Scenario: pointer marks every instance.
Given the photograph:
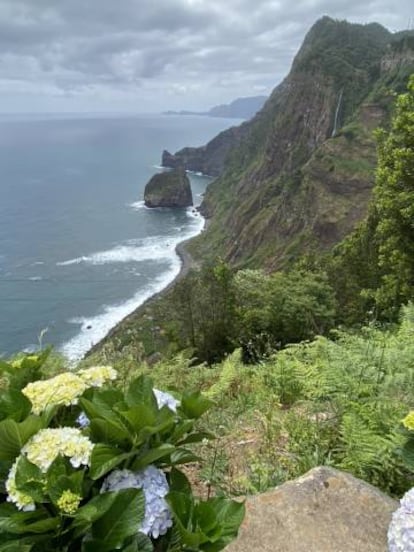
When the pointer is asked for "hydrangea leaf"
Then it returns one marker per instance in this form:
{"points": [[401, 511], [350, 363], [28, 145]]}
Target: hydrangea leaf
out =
{"points": [[14, 435], [152, 456], [122, 519], [194, 405], [104, 458], [140, 391]]}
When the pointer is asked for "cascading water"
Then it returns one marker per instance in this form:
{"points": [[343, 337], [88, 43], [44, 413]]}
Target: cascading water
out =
{"points": [[338, 107]]}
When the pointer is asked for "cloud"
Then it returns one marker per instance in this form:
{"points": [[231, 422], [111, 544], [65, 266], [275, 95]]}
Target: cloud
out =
{"points": [[158, 54]]}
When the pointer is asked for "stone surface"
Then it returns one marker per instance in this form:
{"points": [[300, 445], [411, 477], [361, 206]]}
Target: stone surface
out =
{"points": [[169, 189], [323, 511]]}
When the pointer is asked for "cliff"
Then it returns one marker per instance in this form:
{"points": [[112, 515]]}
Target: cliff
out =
{"points": [[298, 176], [169, 189], [209, 159]]}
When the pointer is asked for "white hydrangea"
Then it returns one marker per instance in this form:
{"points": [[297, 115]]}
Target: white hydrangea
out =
{"points": [[401, 529], [97, 376], [47, 444], [65, 389], [21, 500], [165, 399], [153, 482]]}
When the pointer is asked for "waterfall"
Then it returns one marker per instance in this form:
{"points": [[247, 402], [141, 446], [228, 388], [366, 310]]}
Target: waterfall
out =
{"points": [[338, 107]]}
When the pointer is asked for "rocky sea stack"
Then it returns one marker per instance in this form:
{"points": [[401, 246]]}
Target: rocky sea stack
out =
{"points": [[169, 189]]}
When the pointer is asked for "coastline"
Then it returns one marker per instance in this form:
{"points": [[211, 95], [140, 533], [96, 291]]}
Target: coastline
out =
{"points": [[186, 262]]}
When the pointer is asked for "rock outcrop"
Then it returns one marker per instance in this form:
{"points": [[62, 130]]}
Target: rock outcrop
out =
{"points": [[323, 511], [208, 159], [169, 189]]}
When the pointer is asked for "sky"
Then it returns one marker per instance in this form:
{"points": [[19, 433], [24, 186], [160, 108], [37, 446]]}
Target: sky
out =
{"points": [[153, 55]]}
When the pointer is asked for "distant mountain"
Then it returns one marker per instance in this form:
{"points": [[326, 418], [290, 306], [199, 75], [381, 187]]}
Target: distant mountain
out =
{"points": [[241, 108]]}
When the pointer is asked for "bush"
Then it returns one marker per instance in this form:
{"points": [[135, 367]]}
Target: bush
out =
{"points": [[87, 466]]}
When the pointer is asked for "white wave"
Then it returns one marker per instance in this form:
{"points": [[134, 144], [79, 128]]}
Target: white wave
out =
{"points": [[161, 167], [37, 263], [138, 205], [154, 248], [35, 278], [95, 328]]}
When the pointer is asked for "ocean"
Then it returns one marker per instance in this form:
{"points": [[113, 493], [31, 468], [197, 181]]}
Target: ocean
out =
{"points": [[78, 249]]}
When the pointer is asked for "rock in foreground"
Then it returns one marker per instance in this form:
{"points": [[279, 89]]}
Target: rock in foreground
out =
{"points": [[323, 511], [169, 189]]}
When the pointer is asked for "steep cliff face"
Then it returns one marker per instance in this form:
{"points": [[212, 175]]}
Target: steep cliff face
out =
{"points": [[300, 177]]}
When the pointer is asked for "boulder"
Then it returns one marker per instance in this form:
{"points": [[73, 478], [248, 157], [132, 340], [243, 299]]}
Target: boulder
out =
{"points": [[169, 189], [325, 510]]}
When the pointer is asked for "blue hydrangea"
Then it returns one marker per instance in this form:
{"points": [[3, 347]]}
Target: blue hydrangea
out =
{"points": [[165, 399], [153, 482], [401, 529], [82, 420]]}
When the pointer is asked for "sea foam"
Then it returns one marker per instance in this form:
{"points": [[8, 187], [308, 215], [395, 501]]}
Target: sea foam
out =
{"points": [[94, 328]]}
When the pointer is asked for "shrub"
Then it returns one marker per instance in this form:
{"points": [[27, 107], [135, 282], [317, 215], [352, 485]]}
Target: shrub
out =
{"points": [[86, 466]]}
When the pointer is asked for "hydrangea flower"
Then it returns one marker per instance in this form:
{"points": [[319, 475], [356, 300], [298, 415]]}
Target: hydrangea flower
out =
{"points": [[64, 389], [82, 420], [401, 529], [21, 500], [408, 421], [47, 444], [165, 399], [97, 376], [152, 481], [68, 502]]}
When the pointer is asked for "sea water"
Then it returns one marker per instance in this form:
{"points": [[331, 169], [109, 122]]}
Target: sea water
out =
{"points": [[79, 251]]}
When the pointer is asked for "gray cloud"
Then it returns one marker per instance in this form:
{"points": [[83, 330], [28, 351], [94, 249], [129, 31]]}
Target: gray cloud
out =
{"points": [[160, 53]]}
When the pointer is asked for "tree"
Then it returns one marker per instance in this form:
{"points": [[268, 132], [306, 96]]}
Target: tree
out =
{"points": [[394, 202]]}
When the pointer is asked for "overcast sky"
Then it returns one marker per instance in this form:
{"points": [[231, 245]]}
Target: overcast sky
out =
{"points": [[152, 55]]}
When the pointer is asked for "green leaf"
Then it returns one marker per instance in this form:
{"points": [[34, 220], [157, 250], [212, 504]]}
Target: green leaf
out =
{"points": [[140, 543], [183, 456], [408, 453], [182, 429], [94, 509], [194, 405], [230, 513], [122, 519], [182, 507], [139, 417], [30, 479], [140, 393], [152, 455], [179, 482], [107, 431], [13, 436], [104, 458], [197, 437], [13, 404]]}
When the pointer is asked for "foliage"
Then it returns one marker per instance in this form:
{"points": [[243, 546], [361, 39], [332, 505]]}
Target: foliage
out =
{"points": [[96, 468], [281, 308], [373, 268], [335, 401], [394, 199]]}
